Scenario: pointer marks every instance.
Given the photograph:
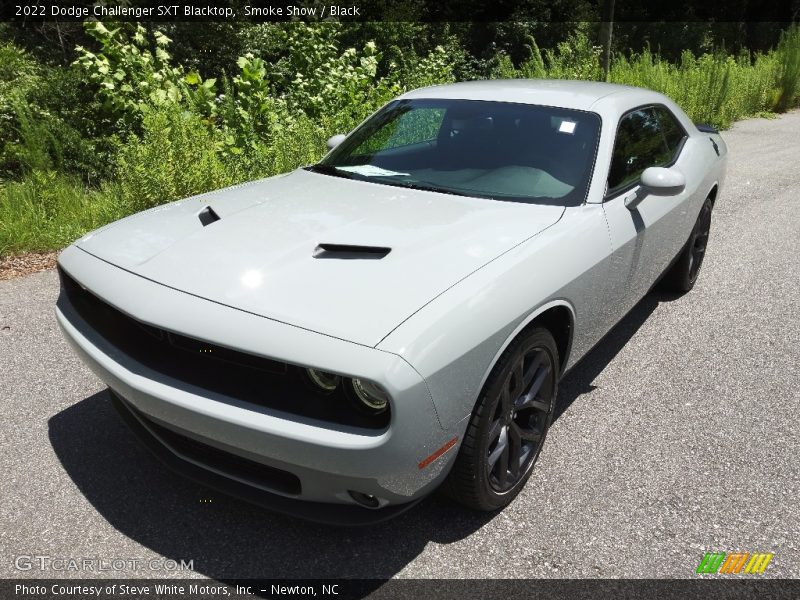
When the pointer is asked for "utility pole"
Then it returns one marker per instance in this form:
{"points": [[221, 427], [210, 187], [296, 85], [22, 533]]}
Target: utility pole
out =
{"points": [[606, 30]]}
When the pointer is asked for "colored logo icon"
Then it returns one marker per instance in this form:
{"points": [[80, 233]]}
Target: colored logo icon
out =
{"points": [[734, 563]]}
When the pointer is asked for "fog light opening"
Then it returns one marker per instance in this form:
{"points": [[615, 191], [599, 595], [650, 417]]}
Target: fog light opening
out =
{"points": [[367, 500]]}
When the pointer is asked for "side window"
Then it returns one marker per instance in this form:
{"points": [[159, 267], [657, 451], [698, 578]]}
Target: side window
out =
{"points": [[673, 132], [640, 144]]}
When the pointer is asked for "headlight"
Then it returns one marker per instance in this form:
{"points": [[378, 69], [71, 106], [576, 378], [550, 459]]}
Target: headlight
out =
{"points": [[368, 396], [327, 382]]}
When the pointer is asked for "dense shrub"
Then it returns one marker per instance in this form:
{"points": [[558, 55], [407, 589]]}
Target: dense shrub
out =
{"points": [[787, 58], [129, 71], [176, 156], [19, 74], [576, 58], [49, 119]]}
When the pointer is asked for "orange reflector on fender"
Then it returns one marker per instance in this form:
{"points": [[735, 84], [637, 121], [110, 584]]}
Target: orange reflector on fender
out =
{"points": [[438, 453]]}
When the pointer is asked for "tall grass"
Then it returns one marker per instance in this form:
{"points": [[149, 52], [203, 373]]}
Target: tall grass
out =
{"points": [[788, 58], [48, 210], [714, 88], [300, 141], [179, 155], [176, 156], [717, 88]]}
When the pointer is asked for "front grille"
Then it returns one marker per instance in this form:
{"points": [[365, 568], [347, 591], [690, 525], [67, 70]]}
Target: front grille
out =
{"points": [[224, 462], [215, 368]]}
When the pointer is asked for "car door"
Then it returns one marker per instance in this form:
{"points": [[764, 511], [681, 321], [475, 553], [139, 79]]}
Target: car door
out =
{"points": [[646, 231]]}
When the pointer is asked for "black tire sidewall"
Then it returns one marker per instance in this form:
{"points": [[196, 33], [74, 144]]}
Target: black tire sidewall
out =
{"points": [[678, 278], [706, 208], [537, 337]]}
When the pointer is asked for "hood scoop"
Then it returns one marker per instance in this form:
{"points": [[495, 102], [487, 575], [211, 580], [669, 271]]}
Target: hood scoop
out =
{"points": [[207, 216], [350, 252]]}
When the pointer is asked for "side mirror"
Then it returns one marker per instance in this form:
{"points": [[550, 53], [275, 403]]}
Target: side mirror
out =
{"points": [[659, 181], [335, 141]]}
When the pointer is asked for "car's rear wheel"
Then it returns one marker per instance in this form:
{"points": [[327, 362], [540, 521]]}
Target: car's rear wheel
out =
{"points": [[682, 276], [509, 424]]}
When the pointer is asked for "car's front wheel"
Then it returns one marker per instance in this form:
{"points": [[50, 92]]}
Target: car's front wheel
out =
{"points": [[509, 424]]}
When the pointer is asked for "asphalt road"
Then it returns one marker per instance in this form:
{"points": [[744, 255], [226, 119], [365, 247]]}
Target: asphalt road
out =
{"points": [[678, 435]]}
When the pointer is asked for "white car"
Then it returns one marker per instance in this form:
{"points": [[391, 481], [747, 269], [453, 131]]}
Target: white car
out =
{"points": [[339, 341]]}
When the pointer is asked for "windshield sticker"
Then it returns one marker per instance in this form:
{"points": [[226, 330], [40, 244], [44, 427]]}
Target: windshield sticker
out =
{"points": [[567, 127]]}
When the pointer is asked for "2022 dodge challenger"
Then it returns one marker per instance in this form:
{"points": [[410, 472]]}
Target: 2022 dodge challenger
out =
{"points": [[339, 341]]}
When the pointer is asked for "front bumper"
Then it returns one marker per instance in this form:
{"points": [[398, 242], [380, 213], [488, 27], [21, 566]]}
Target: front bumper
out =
{"points": [[320, 512], [327, 461]]}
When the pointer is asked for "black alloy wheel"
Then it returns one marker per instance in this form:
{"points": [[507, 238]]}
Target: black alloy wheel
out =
{"points": [[683, 273], [520, 417], [699, 242], [509, 424]]}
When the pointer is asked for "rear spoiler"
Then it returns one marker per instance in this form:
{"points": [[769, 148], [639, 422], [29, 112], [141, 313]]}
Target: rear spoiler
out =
{"points": [[705, 128]]}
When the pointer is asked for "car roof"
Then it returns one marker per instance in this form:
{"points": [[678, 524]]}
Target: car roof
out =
{"points": [[581, 95]]}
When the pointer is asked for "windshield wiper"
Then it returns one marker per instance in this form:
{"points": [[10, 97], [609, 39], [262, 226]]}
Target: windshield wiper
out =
{"points": [[413, 185], [328, 170]]}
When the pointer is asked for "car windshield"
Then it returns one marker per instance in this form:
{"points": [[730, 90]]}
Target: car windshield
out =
{"points": [[496, 150]]}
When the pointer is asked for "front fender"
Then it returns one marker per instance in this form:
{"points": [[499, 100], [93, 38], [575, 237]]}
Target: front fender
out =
{"points": [[454, 341]]}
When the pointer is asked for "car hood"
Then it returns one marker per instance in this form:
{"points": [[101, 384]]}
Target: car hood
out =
{"points": [[259, 255]]}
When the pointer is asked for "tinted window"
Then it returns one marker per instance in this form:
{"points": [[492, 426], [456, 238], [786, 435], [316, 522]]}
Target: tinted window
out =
{"points": [[673, 132], [497, 150], [412, 127]]}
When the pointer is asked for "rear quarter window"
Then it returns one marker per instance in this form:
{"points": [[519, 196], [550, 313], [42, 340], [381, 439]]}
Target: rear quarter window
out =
{"points": [[674, 135]]}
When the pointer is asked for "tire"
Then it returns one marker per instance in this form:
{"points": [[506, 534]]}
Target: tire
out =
{"points": [[682, 275], [509, 423]]}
